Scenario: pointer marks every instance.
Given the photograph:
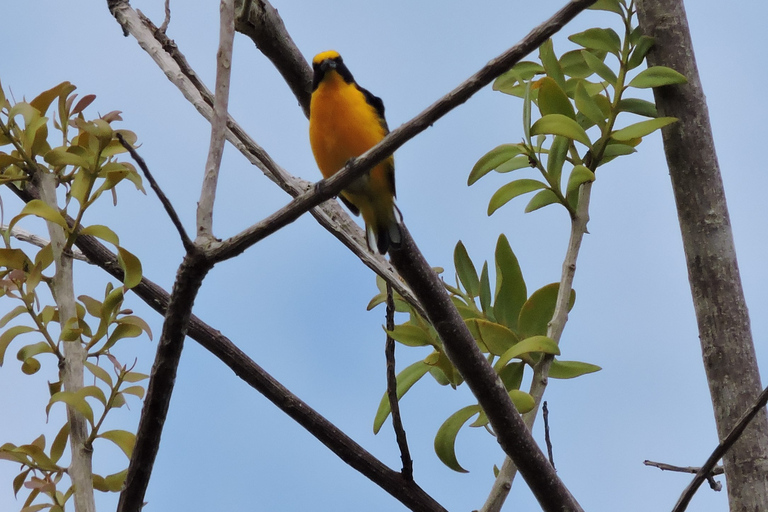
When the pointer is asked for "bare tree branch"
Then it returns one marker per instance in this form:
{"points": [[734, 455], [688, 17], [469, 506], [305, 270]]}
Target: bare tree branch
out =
{"points": [[394, 404], [727, 348], [717, 470], [38, 241], [188, 245], [726, 444], [80, 469], [218, 121]]}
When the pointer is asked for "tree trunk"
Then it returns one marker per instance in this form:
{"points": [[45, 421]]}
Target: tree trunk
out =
{"points": [[713, 272]]}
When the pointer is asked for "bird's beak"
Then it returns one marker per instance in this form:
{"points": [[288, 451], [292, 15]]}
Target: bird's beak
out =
{"points": [[327, 65]]}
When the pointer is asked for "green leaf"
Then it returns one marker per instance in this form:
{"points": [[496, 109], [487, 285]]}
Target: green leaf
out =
{"points": [[511, 291], [122, 438], [493, 159], [18, 310], [411, 335], [657, 76], [32, 350], [514, 164], [574, 66], [604, 39], [466, 270], [135, 377], [599, 67], [73, 400], [511, 190], [644, 45], [45, 98], [558, 124], [512, 375], [552, 99], [606, 5], [102, 232], [405, 380], [541, 199], [445, 439], [579, 175], [642, 128], [60, 443], [570, 369], [496, 337], [38, 208], [114, 483], [588, 106], [556, 158], [100, 373], [638, 106], [510, 81], [131, 266], [485, 292], [522, 400], [135, 391], [615, 150], [527, 113], [527, 346], [8, 335], [550, 62], [538, 310], [15, 259], [63, 155]]}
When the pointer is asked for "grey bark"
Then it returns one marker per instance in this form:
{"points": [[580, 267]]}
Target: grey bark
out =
{"points": [[713, 272]]}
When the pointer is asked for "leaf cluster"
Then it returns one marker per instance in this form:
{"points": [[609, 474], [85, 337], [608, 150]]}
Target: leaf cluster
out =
{"points": [[83, 163], [579, 98], [509, 326]]}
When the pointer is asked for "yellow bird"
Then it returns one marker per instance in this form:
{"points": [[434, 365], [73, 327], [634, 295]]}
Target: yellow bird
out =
{"points": [[345, 121]]}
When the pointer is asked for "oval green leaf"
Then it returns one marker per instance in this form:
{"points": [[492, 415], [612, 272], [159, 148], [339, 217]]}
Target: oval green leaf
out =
{"points": [[599, 67], [496, 337], [528, 345], [511, 190], [466, 270], [538, 310], [405, 380], [657, 76], [553, 100], [580, 174], [570, 369], [493, 159], [642, 128], [541, 199], [558, 124]]}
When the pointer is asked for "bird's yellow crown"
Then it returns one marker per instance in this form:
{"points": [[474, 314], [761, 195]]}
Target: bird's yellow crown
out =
{"points": [[330, 54]]}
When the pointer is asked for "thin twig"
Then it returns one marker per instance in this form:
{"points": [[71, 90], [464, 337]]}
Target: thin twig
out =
{"points": [[167, 20], [713, 484], [545, 417], [188, 245], [721, 449], [394, 405], [218, 121], [38, 241]]}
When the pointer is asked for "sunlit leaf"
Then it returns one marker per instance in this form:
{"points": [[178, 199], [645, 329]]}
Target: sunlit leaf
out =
{"points": [[550, 62], [122, 438], [579, 175], [511, 291], [102, 232], [522, 400], [558, 124], [8, 336], [642, 128], [588, 106], [570, 369], [643, 46], [511, 190], [496, 337], [466, 270], [604, 39], [657, 76], [638, 106], [599, 67], [541, 199], [131, 267], [405, 380], [552, 99], [493, 159], [445, 439], [411, 335], [538, 310], [527, 346]]}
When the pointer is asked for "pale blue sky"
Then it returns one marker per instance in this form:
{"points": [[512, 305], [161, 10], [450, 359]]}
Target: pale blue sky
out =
{"points": [[296, 302]]}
